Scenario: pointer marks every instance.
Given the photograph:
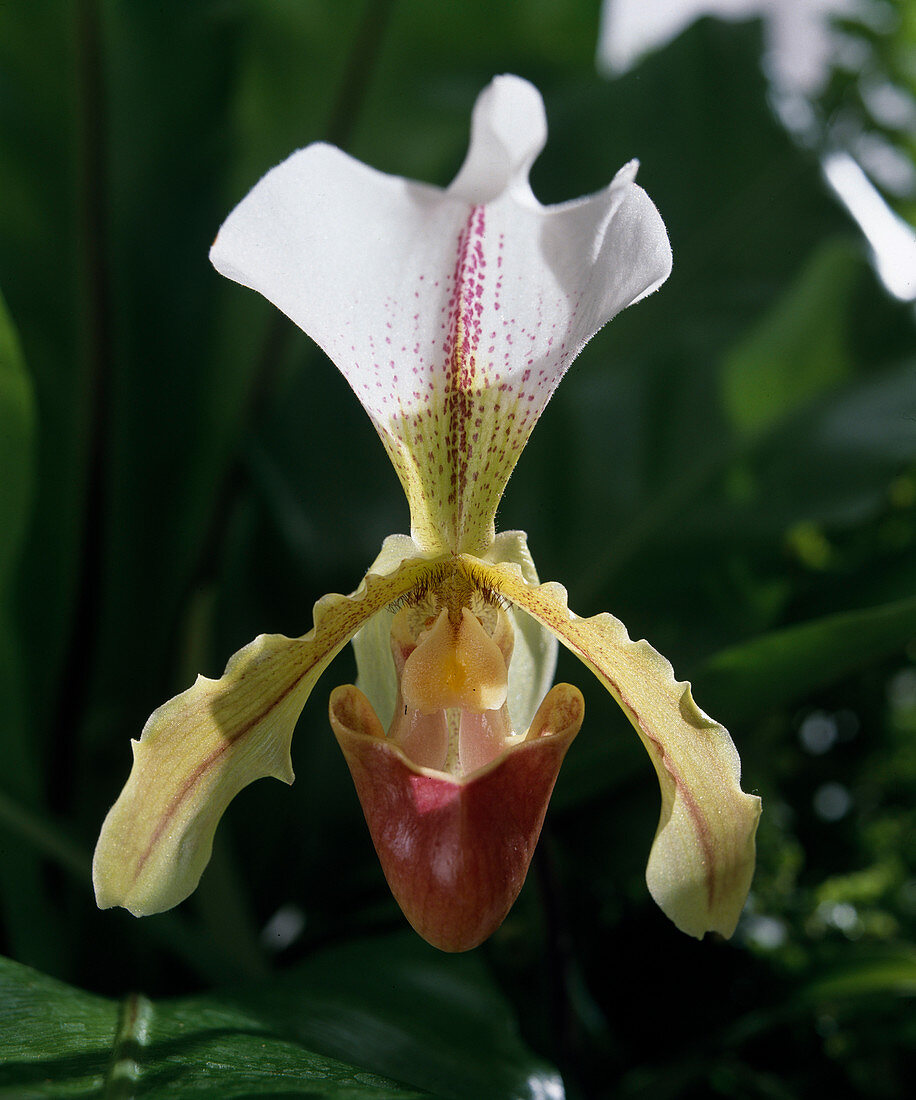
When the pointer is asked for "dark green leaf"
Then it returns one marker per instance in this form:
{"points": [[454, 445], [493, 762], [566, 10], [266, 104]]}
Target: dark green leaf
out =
{"points": [[405, 1010], [339, 1026], [785, 665], [17, 444], [23, 903], [873, 972], [799, 350], [57, 1041]]}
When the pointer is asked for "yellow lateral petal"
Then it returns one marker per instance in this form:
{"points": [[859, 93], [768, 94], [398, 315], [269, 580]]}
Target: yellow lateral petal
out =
{"points": [[198, 750], [702, 858]]}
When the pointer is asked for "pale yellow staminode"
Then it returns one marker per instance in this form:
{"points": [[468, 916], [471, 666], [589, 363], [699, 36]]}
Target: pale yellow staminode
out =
{"points": [[455, 665]]}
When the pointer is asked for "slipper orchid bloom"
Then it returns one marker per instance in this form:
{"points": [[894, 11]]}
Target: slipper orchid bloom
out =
{"points": [[453, 314]]}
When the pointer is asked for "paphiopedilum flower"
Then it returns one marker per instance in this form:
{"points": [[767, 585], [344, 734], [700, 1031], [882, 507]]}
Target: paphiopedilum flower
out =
{"points": [[453, 314]]}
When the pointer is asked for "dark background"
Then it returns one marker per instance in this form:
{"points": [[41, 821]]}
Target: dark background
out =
{"points": [[730, 467]]}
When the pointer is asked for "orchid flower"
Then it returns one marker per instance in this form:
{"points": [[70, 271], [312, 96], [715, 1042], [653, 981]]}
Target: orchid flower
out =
{"points": [[453, 314]]}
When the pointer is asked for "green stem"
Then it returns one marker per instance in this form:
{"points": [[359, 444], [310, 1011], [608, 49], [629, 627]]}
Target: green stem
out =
{"points": [[222, 904], [360, 66], [76, 678], [122, 1082], [341, 123], [221, 891]]}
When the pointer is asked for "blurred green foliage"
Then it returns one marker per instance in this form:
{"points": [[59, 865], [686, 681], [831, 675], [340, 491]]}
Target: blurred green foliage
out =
{"points": [[730, 467]]}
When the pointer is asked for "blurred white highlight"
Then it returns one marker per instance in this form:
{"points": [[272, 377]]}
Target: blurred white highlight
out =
{"points": [[892, 241], [800, 46], [799, 39]]}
